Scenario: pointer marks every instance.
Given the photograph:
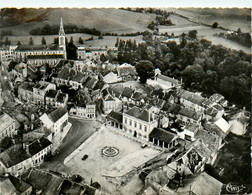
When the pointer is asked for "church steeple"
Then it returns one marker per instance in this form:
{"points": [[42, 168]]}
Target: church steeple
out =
{"points": [[62, 38], [61, 31]]}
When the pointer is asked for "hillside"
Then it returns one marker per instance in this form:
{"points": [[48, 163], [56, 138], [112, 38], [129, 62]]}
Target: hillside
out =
{"points": [[105, 20], [232, 18]]}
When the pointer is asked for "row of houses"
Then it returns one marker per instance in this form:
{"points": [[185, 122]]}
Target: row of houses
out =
{"points": [[42, 93], [52, 183], [36, 144]]}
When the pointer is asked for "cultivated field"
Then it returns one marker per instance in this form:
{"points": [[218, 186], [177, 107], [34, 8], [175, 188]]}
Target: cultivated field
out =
{"points": [[228, 18], [106, 20], [130, 156], [108, 41]]}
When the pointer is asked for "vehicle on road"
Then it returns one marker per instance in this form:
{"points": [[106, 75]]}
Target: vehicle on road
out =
{"points": [[143, 145], [84, 157]]}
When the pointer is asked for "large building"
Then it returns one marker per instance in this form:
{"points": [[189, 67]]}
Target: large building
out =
{"points": [[42, 54], [139, 122]]}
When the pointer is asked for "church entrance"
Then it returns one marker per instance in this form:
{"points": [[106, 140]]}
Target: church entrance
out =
{"points": [[135, 134]]}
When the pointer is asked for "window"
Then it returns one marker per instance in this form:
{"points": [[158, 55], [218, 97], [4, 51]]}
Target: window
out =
{"points": [[130, 123], [145, 128], [135, 125], [140, 126]]}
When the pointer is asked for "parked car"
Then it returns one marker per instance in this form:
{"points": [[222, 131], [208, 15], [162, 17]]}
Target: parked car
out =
{"points": [[143, 145], [84, 157]]}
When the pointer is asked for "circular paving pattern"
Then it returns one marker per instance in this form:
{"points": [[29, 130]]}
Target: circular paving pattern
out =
{"points": [[110, 151]]}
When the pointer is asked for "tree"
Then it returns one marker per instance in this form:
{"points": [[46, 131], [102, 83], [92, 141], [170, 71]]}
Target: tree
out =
{"points": [[56, 40], [19, 43], [71, 40], [145, 70], [193, 34], [183, 41], [215, 25], [43, 41], [117, 42], [7, 41], [71, 50], [100, 37], [80, 40], [193, 74], [31, 41]]}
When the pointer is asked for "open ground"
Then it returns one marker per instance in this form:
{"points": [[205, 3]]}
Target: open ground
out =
{"points": [[96, 166]]}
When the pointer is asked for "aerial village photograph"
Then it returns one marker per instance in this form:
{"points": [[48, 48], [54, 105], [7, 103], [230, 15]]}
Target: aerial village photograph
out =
{"points": [[125, 101]]}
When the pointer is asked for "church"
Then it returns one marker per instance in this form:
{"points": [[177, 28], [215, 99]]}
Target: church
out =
{"points": [[38, 55]]}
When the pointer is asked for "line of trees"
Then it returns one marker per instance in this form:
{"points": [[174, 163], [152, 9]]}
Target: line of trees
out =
{"points": [[69, 29]]}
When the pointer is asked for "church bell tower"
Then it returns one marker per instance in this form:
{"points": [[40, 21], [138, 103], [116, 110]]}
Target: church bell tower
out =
{"points": [[62, 39]]}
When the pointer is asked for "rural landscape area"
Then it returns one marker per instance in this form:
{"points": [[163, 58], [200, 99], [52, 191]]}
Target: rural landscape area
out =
{"points": [[130, 100]]}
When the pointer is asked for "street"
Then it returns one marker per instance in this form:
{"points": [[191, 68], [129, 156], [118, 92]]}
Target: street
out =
{"points": [[81, 130], [5, 83]]}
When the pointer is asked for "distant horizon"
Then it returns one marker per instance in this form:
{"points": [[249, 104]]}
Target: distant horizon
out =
{"points": [[118, 4]]}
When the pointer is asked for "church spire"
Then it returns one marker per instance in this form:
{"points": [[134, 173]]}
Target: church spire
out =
{"points": [[61, 31]]}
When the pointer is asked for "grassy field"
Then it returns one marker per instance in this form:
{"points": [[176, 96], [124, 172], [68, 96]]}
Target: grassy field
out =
{"points": [[228, 18], [105, 20], [108, 41]]}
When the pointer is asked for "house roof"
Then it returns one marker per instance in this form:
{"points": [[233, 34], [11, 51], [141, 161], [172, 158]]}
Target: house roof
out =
{"points": [[168, 79], [38, 179], [116, 116], [64, 73], [38, 145], [99, 85], [124, 71], [111, 77], [5, 121], [190, 96], [13, 155], [6, 186], [139, 113], [46, 120], [19, 184], [37, 47], [223, 125], [192, 127], [162, 135], [138, 96], [213, 128], [216, 97], [189, 113], [61, 97], [57, 114], [127, 92], [49, 56], [201, 183], [51, 93]]}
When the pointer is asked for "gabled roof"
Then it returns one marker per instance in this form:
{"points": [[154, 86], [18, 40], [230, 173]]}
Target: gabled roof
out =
{"points": [[162, 135], [127, 92], [168, 79], [124, 71], [51, 93], [38, 145], [13, 155], [57, 114], [115, 116], [223, 125], [19, 184], [190, 96], [37, 47], [5, 121], [49, 56], [141, 114], [61, 97], [189, 113]]}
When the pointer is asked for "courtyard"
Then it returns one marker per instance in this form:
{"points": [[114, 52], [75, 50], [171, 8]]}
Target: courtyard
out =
{"points": [[127, 156]]}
